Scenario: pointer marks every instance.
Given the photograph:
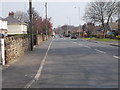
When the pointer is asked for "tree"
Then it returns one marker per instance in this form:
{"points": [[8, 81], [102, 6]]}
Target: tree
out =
{"points": [[65, 27], [101, 12], [49, 25], [38, 25], [21, 16], [84, 27], [90, 28], [37, 21]]}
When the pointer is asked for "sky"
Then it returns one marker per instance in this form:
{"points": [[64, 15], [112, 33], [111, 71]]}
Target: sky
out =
{"points": [[60, 12]]}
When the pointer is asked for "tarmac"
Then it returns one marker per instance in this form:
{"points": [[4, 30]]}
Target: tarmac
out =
{"points": [[19, 72]]}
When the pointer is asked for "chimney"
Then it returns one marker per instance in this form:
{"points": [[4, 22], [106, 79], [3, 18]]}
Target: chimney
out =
{"points": [[11, 14]]}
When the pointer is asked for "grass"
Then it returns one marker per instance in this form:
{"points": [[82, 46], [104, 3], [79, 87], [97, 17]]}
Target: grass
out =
{"points": [[104, 39]]}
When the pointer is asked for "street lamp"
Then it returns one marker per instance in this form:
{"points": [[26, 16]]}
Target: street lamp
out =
{"points": [[79, 18], [68, 26], [46, 20]]}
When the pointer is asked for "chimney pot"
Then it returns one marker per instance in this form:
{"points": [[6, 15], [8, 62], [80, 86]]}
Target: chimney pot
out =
{"points": [[11, 14]]}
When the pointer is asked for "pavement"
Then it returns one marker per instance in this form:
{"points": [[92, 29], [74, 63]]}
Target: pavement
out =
{"points": [[19, 72], [65, 63]]}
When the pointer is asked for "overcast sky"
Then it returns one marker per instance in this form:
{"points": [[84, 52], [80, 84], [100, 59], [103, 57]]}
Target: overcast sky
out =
{"points": [[60, 12]]}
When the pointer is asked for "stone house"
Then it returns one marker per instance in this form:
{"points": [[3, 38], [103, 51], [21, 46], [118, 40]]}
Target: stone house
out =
{"points": [[15, 26], [3, 26]]}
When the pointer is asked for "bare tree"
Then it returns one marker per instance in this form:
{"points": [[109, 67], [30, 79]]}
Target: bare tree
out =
{"points": [[101, 12], [90, 28], [21, 16]]}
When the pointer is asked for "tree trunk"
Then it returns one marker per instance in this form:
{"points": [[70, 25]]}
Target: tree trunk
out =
{"points": [[103, 24]]}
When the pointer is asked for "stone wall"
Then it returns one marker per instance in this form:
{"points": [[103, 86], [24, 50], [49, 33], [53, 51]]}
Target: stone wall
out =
{"points": [[15, 46], [39, 39]]}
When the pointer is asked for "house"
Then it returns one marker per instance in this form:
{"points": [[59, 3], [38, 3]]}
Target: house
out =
{"points": [[113, 26], [3, 26], [15, 26], [98, 29]]}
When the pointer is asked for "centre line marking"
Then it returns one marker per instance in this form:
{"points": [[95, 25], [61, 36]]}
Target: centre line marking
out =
{"points": [[100, 51], [80, 44], [87, 46], [40, 69]]}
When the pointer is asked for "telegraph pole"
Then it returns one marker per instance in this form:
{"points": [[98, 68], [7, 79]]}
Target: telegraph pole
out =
{"points": [[79, 19], [30, 25], [46, 19]]}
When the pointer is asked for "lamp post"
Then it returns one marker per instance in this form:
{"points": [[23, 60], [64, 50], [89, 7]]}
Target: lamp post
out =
{"points": [[46, 20], [69, 23], [79, 18]]}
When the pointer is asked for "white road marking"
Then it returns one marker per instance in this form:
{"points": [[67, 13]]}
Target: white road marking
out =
{"points": [[100, 51], [82, 45], [75, 42], [87, 46], [97, 50], [116, 57], [40, 69]]}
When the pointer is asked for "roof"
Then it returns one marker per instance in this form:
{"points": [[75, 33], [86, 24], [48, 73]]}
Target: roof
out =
{"points": [[12, 20], [2, 19]]}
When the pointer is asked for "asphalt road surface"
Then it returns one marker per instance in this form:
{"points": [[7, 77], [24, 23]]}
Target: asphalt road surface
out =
{"points": [[79, 64], [66, 64]]}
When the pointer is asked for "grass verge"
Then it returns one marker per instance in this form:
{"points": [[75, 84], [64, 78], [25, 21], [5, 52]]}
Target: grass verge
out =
{"points": [[104, 39]]}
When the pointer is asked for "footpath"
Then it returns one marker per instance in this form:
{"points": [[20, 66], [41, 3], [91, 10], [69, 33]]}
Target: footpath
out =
{"points": [[23, 70]]}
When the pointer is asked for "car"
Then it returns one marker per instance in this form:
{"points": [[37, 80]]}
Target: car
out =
{"points": [[73, 37], [67, 35], [61, 36]]}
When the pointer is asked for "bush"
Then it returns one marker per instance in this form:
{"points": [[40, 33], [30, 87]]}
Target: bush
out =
{"points": [[117, 37], [93, 35], [110, 36], [97, 36]]}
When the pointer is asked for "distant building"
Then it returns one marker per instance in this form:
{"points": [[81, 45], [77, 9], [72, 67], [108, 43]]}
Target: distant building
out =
{"points": [[3, 26], [113, 26], [15, 26]]}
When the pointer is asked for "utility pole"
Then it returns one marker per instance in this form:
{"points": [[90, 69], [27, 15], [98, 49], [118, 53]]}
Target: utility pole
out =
{"points": [[46, 20], [68, 26], [30, 25], [79, 19]]}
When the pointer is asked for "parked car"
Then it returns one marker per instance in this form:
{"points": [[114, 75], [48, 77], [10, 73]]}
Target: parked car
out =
{"points": [[73, 37], [67, 35], [61, 36]]}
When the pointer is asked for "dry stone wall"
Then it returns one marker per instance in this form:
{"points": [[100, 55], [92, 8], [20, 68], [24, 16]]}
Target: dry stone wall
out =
{"points": [[15, 47]]}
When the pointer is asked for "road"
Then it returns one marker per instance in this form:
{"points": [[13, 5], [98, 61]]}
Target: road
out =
{"points": [[72, 64], [79, 64]]}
